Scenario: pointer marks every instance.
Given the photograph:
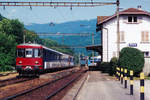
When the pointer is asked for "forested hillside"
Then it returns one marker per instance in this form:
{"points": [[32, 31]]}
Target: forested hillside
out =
{"points": [[11, 34]]}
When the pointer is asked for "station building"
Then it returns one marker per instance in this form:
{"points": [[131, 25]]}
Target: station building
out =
{"points": [[134, 32]]}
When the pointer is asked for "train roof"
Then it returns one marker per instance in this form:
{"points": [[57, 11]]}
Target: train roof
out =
{"points": [[31, 45]]}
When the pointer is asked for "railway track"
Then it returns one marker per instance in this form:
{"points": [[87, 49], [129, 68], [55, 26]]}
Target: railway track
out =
{"points": [[15, 80], [12, 81], [47, 90]]}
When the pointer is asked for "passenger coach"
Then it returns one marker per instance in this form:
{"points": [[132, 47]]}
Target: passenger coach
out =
{"points": [[34, 58]]}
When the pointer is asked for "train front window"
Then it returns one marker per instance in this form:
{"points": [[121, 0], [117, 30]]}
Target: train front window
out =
{"points": [[20, 52], [29, 52], [37, 53]]}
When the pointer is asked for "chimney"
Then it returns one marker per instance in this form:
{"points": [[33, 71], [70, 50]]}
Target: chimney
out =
{"points": [[139, 7]]}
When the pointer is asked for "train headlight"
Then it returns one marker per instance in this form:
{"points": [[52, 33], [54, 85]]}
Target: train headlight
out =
{"points": [[20, 62], [36, 62]]}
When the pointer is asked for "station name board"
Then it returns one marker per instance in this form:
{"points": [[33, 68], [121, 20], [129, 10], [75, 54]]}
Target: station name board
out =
{"points": [[132, 44]]}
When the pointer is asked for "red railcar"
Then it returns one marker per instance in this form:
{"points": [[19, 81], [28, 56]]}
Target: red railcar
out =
{"points": [[34, 58]]}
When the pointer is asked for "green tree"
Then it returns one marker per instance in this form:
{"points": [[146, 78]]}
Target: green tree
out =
{"points": [[132, 59], [1, 17], [5, 26], [17, 30], [7, 51], [13, 27]]}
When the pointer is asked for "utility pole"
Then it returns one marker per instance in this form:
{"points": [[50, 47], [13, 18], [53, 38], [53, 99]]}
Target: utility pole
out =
{"points": [[62, 39], [24, 37], [118, 31], [93, 44], [79, 59]]}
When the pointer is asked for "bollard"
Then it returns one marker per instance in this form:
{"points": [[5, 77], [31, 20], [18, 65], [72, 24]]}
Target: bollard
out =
{"points": [[125, 78], [131, 82], [116, 73], [121, 75], [141, 86]]}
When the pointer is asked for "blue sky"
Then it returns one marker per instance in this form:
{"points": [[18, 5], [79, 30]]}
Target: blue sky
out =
{"points": [[59, 15]]}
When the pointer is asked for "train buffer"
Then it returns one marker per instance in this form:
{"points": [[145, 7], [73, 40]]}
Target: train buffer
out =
{"points": [[100, 86]]}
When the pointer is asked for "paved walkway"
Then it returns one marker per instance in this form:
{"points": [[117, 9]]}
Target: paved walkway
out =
{"points": [[103, 87]]}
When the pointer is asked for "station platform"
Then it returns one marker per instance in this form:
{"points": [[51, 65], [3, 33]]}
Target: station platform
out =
{"points": [[103, 87], [100, 86]]}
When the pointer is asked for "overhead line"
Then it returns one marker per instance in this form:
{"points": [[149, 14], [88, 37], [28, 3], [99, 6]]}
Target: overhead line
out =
{"points": [[57, 4], [64, 34], [69, 47]]}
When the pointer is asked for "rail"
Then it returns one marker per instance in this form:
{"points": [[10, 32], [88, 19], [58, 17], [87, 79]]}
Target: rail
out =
{"points": [[13, 81], [53, 93]]}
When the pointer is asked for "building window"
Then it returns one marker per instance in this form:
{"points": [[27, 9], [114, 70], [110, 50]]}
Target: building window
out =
{"points": [[144, 36], [132, 19], [122, 37], [146, 54], [135, 19], [129, 19]]}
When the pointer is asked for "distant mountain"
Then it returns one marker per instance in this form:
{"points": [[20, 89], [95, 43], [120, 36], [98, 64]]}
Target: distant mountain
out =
{"points": [[84, 26]]}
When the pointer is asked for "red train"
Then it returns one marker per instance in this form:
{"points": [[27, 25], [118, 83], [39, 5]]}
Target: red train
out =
{"points": [[32, 59]]}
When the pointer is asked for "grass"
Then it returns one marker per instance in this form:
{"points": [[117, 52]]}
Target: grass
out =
{"points": [[6, 72]]}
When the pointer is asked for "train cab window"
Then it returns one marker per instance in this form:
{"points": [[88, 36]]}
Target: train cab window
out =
{"points": [[20, 52], [37, 53], [29, 53]]}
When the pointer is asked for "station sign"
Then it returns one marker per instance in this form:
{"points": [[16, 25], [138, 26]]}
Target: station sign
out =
{"points": [[132, 44]]}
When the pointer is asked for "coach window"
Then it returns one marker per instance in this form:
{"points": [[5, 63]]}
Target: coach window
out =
{"points": [[20, 52], [29, 52], [37, 53]]}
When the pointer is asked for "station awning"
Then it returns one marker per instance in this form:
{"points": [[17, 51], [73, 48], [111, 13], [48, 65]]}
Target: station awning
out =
{"points": [[97, 48]]}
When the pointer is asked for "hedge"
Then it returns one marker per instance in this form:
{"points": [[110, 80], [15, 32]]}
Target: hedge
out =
{"points": [[132, 59]]}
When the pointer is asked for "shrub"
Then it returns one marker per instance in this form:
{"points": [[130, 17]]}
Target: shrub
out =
{"points": [[132, 59], [113, 64], [105, 67]]}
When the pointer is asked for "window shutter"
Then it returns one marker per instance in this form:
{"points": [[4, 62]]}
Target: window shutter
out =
{"points": [[123, 36], [142, 36], [147, 36]]}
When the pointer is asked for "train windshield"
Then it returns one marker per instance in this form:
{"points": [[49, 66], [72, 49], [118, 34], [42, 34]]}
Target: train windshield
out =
{"points": [[29, 53], [20, 52]]}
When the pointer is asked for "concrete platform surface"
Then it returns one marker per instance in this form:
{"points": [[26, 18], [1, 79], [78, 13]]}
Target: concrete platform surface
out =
{"points": [[99, 86]]}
